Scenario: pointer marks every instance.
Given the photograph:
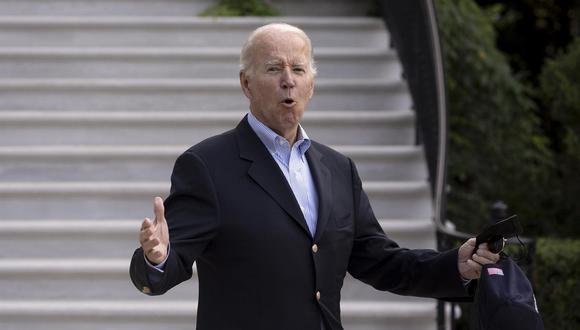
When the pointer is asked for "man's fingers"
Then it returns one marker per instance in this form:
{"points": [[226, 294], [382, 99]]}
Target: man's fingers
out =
{"points": [[150, 244], [146, 224], [146, 230], [485, 253], [484, 260], [145, 237], [153, 234], [159, 210]]}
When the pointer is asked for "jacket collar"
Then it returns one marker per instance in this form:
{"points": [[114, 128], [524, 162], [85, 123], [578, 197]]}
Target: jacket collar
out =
{"points": [[323, 182], [266, 173]]}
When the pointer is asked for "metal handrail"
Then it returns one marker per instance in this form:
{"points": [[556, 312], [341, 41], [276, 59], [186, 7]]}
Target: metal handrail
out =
{"points": [[414, 33]]}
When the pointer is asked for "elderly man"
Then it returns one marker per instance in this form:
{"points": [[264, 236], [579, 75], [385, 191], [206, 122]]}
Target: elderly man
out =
{"points": [[274, 220]]}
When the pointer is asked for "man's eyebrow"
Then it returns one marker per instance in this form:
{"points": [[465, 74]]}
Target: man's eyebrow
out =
{"points": [[273, 62], [278, 62]]}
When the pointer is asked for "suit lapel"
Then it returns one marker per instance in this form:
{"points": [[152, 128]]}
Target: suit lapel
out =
{"points": [[323, 182], [266, 173]]}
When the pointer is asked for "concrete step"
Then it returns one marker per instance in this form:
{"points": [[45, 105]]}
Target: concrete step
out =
{"points": [[98, 252], [186, 94], [109, 279], [104, 8], [156, 314], [324, 7], [132, 200], [78, 238], [67, 239], [155, 162], [188, 128], [34, 62], [173, 7], [132, 31]]}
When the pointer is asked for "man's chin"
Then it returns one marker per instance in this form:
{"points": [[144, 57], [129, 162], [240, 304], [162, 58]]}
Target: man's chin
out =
{"points": [[291, 121], [292, 114]]}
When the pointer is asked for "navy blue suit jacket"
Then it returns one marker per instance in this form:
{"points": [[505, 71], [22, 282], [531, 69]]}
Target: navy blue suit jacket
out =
{"points": [[232, 212]]}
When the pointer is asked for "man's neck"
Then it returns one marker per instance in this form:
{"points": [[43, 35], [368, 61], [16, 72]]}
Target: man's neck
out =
{"points": [[289, 135]]}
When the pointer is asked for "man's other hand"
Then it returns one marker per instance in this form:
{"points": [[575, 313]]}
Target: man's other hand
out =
{"points": [[470, 261], [154, 236]]}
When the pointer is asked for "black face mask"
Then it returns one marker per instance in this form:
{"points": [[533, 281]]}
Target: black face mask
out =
{"points": [[496, 235]]}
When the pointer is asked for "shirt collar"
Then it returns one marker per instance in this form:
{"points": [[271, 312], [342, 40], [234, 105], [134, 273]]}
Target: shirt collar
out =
{"points": [[271, 140]]}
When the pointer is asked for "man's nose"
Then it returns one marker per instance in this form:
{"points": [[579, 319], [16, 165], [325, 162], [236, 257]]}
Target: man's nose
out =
{"points": [[287, 78]]}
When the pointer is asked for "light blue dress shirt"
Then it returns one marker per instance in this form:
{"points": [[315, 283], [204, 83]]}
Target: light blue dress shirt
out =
{"points": [[292, 162]]}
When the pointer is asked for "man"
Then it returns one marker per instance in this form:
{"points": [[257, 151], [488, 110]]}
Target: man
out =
{"points": [[274, 220]]}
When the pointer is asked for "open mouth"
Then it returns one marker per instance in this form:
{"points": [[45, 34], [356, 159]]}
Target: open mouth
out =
{"points": [[288, 102]]}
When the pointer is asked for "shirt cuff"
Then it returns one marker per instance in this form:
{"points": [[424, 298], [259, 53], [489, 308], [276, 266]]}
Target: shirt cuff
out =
{"points": [[161, 266]]}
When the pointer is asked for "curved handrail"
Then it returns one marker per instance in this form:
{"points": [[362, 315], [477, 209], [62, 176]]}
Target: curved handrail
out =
{"points": [[414, 33]]}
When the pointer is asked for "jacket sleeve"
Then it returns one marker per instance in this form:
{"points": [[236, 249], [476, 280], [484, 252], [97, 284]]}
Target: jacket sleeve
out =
{"points": [[380, 262], [192, 215]]}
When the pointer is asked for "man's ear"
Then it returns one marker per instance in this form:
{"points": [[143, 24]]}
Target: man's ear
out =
{"points": [[311, 90], [245, 84]]}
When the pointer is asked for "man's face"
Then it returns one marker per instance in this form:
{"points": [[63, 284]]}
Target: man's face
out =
{"points": [[280, 82]]}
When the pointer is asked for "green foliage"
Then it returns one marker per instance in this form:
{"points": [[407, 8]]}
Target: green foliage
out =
{"points": [[560, 86], [560, 83], [240, 8], [529, 31], [495, 149], [557, 278]]}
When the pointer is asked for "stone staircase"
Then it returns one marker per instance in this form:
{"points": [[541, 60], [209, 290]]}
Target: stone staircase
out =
{"points": [[98, 98]]}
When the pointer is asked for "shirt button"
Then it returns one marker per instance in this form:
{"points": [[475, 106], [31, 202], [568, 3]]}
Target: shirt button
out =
{"points": [[280, 142], [314, 248], [318, 295]]}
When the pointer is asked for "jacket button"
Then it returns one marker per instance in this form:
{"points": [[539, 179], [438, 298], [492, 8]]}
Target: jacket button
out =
{"points": [[146, 290], [314, 248], [318, 295]]}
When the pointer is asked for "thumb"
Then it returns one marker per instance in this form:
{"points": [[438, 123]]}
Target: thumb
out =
{"points": [[159, 210], [467, 249], [471, 242]]}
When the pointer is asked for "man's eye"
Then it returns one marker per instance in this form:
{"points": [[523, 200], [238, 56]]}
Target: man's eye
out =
{"points": [[299, 70], [273, 69]]}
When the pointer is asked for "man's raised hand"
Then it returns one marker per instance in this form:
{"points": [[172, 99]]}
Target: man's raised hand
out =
{"points": [[471, 260], [154, 236]]}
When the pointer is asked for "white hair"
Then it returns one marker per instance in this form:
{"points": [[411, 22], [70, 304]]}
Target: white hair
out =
{"points": [[247, 50]]}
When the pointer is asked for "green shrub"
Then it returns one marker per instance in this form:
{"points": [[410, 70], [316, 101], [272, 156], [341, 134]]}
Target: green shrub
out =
{"points": [[560, 85], [240, 8], [557, 282], [495, 149]]}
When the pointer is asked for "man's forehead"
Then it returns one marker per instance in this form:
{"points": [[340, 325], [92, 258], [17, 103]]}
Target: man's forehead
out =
{"points": [[284, 51], [282, 41], [276, 34]]}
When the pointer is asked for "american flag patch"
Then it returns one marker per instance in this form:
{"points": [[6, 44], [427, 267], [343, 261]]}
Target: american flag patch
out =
{"points": [[495, 271]]}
